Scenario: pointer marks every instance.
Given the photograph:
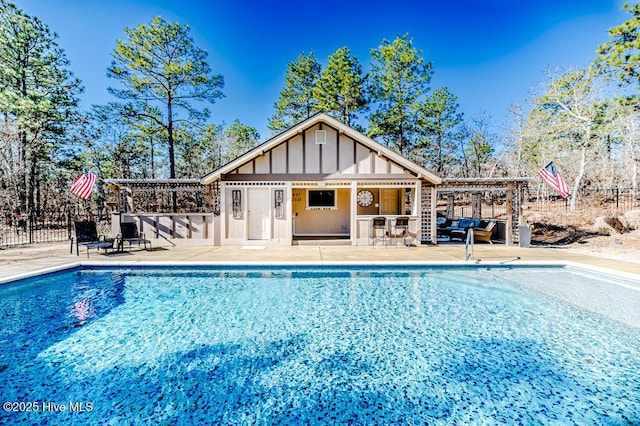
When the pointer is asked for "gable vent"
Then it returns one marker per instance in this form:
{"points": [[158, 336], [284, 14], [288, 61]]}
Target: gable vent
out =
{"points": [[321, 137]]}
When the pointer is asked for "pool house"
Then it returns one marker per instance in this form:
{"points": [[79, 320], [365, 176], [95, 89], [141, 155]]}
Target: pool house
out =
{"points": [[321, 180]]}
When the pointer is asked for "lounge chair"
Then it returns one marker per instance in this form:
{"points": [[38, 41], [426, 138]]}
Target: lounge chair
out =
{"points": [[484, 231], [87, 235], [129, 234]]}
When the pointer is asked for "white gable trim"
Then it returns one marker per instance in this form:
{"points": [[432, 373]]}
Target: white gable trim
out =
{"points": [[358, 137]]}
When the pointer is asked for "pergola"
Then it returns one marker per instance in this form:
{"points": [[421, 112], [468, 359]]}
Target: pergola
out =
{"points": [[513, 188], [136, 195]]}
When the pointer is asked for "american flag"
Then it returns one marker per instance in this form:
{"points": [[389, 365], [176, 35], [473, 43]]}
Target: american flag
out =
{"points": [[83, 185], [552, 177]]}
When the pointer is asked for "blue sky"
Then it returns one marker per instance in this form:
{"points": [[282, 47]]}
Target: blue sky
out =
{"points": [[488, 53]]}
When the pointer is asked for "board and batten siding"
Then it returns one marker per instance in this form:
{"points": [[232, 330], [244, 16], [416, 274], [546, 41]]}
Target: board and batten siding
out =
{"points": [[300, 155]]}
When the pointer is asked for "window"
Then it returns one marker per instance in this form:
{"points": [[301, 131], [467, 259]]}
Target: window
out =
{"points": [[325, 198], [321, 137]]}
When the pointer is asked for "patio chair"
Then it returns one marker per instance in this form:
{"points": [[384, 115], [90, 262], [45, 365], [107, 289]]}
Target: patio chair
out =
{"points": [[484, 231], [129, 234], [401, 224], [87, 236], [444, 226], [379, 223]]}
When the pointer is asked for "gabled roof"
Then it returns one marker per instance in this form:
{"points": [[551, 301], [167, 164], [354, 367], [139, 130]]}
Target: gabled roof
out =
{"points": [[382, 151]]}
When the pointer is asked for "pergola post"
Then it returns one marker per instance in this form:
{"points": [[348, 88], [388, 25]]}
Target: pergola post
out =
{"points": [[434, 205], [130, 200], [476, 205], [450, 204], [508, 239]]}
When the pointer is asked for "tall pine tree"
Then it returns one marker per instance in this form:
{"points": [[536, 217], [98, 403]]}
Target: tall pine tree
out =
{"points": [[163, 72], [399, 77], [438, 120], [296, 102], [38, 98], [340, 89]]}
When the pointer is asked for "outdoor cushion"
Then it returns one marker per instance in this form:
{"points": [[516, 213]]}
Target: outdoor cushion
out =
{"points": [[468, 223], [460, 230]]}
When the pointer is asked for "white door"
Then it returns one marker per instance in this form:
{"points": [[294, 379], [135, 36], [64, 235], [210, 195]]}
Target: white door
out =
{"points": [[258, 213]]}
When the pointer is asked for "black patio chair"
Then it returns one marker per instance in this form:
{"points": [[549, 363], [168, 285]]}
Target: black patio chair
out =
{"points": [[379, 223], [129, 234], [87, 236]]}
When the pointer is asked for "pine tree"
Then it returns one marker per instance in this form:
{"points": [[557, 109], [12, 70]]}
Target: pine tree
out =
{"points": [[38, 98], [163, 72], [296, 102], [340, 89], [399, 77], [438, 119], [622, 54]]}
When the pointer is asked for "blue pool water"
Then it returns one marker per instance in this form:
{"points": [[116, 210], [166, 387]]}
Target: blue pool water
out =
{"points": [[311, 345]]}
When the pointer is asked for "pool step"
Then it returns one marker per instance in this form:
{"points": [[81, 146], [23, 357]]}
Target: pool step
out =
{"points": [[329, 242]]}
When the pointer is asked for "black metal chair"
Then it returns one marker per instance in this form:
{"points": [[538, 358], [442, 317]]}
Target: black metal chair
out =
{"points": [[87, 236], [379, 223], [401, 224], [129, 234]]}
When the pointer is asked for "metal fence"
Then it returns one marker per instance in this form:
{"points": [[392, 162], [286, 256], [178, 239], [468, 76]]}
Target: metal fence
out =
{"points": [[29, 229], [592, 201], [595, 200], [17, 230]]}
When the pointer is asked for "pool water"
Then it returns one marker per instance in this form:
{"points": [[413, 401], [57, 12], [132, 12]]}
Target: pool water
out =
{"points": [[330, 345]]}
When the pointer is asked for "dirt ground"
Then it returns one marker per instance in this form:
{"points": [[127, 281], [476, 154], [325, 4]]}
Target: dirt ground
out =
{"points": [[611, 237], [625, 246]]}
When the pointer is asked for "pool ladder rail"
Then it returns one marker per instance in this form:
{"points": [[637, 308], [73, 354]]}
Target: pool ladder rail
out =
{"points": [[468, 254]]}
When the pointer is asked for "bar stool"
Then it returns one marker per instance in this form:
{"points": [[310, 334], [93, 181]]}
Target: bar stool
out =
{"points": [[401, 224], [377, 223]]}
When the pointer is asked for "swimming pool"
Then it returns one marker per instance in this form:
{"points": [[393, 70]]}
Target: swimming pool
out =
{"points": [[328, 345]]}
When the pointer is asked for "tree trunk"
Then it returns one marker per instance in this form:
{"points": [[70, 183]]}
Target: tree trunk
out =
{"points": [[172, 159], [24, 199], [22, 173], [583, 162], [438, 153], [33, 170], [634, 179]]}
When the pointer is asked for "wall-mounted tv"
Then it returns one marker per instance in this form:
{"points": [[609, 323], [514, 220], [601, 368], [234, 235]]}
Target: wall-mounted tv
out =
{"points": [[318, 198]]}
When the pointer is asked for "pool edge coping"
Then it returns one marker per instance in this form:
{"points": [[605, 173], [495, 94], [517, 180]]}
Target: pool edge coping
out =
{"points": [[634, 278]]}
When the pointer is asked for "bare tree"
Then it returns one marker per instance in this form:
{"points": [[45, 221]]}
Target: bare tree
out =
{"points": [[575, 108], [626, 126]]}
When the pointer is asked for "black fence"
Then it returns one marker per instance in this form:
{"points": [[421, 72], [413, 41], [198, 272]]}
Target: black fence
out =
{"points": [[17, 230], [29, 229], [594, 200], [589, 201]]}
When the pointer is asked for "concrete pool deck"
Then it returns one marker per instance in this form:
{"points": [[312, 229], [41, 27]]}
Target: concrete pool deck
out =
{"points": [[26, 261]]}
